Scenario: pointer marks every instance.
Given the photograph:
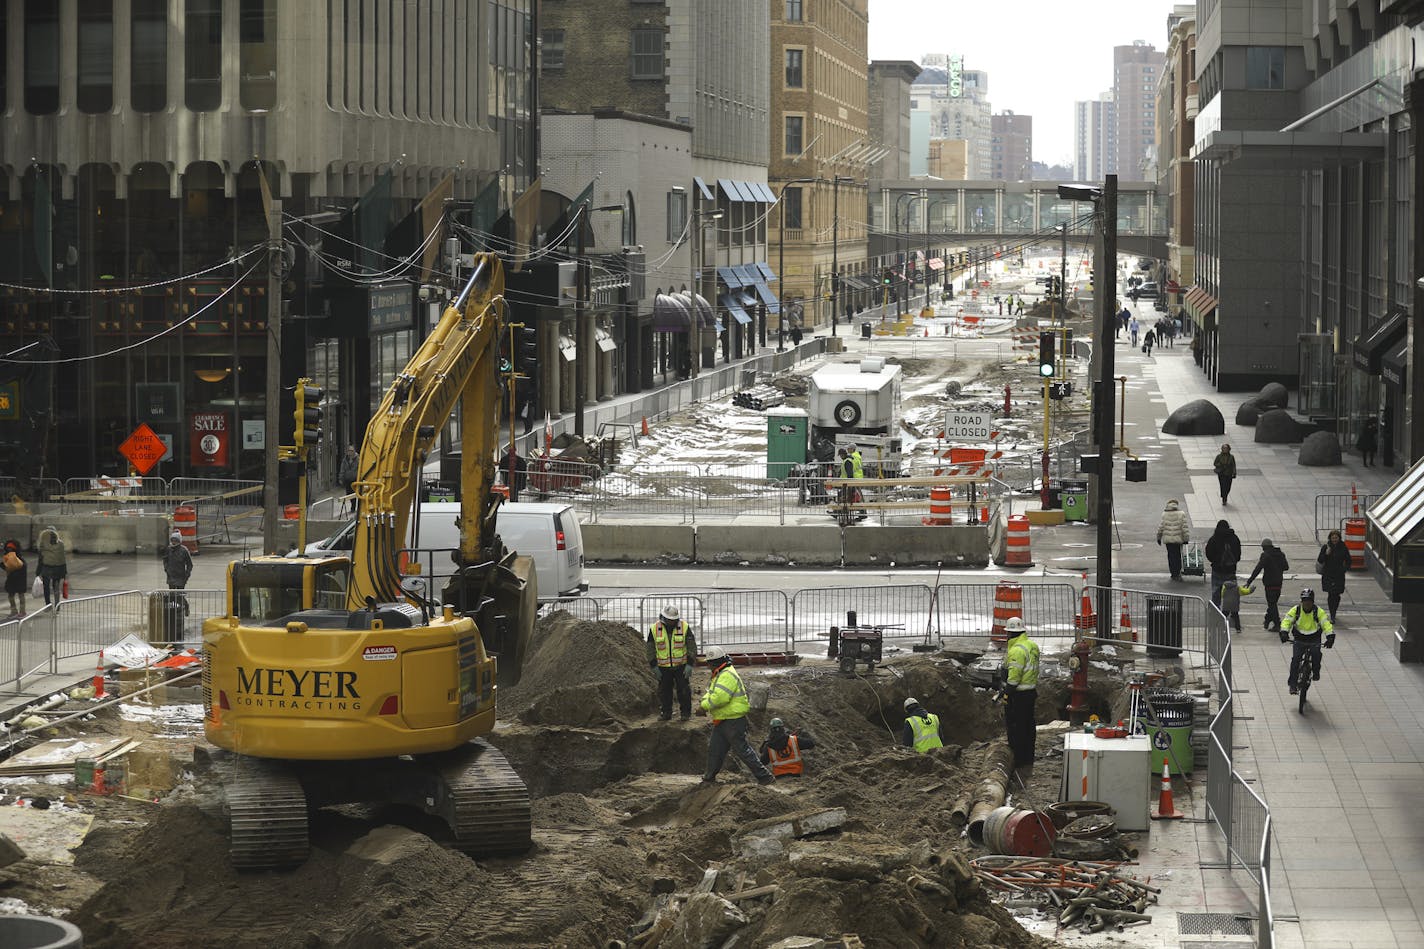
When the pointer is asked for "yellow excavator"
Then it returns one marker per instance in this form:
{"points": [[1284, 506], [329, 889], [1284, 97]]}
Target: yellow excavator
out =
{"points": [[339, 681]]}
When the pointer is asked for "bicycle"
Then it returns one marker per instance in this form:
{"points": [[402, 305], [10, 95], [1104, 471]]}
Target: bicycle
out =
{"points": [[1303, 676]]}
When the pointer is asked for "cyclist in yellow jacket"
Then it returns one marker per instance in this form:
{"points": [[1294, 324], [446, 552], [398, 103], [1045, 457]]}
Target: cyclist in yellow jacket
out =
{"points": [[726, 702], [1305, 623]]}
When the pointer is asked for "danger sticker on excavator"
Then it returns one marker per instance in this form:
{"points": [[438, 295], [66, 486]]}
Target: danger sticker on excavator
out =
{"points": [[378, 653]]}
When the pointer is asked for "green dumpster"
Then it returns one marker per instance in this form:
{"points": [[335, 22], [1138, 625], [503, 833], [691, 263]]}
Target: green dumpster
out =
{"points": [[786, 433], [1075, 500]]}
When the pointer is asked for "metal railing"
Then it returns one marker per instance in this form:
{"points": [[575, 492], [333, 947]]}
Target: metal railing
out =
{"points": [[1332, 510]]}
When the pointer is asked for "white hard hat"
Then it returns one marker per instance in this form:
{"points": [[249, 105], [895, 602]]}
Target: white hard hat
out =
{"points": [[1015, 625], [671, 613], [716, 654], [911, 703]]}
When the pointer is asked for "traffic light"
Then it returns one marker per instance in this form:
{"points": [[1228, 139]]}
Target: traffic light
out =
{"points": [[887, 278], [1045, 354], [526, 350], [307, 415], [1060, 390]]}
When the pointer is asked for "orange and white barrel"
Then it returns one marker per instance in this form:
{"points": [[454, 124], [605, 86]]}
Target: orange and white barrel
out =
{"points": [[1008, 603], [1355, 541], [1018, 553], [941, 507], [185, 522]]}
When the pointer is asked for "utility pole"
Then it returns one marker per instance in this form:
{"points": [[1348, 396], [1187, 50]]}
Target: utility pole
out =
{"points": [[835, 246], [1063, 270], [1105, 290], [581, 295], [274, 375]]}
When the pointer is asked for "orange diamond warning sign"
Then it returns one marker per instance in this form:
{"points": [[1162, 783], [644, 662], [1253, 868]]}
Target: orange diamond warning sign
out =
{"points": [[143, 449]]}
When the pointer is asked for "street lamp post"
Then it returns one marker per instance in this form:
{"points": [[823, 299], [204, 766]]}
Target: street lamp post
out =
{"points": [[585, 347], [900, 304], [781, 260]]}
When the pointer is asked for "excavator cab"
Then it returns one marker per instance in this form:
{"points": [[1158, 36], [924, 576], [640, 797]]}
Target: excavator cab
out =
{"points": [[268, 588]]}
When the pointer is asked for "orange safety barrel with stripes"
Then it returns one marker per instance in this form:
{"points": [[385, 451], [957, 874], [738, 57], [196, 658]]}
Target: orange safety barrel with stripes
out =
{"points": [[788, 761]]}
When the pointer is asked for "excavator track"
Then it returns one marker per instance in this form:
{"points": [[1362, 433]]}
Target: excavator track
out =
{"points": [[484, 801], [267, 817]]}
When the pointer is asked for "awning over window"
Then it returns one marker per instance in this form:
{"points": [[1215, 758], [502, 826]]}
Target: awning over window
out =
{"points": [[745, 298], [1399, 512], [1371, 345], [671, 313], [857, 283], [732, 277], [734, 308], [936, 263], [1395, 364], [706, 191], [739, 190], [773, 305], [1199, 304], [749, 273], [766, 272], [568, 348], [604, 339]]}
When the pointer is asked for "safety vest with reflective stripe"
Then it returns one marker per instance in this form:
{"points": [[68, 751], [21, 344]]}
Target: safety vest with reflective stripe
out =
{"points": [[671, 650], [925, 732], [857, 464], [1307, 625], [788, 761], [1021, 661], [726, 697]]}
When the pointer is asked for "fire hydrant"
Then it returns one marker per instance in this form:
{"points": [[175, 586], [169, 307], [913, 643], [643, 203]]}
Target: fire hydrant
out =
{"points": [[1007, 393], [1078, 692]]}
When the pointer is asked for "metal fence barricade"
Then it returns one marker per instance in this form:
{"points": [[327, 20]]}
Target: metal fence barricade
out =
{"points": [[737, 620], [1332, 510], [1164, 624], [905, 607], [966, 610]]}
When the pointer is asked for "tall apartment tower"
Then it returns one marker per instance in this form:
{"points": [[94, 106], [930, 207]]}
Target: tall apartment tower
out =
{"points": [[1136, 69], [820, 121], [1011, 147], [957, 102], [1094, 138]]}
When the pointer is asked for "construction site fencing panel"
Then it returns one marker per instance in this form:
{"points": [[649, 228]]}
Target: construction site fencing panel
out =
{"points": [[904, 611], [26, 646], [966, 610], [29, 491], [1332, 510], [1160, 622], [737, 620]]}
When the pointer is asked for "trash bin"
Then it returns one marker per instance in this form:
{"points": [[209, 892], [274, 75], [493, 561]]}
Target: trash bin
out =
{"points": [[1055, 497], [865, 331], [1171, 733], [1075, 500], [165, 617], [1164, 626]]}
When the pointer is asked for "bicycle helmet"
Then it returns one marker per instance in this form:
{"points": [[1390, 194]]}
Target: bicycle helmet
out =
{"points": [[1307, 594]]}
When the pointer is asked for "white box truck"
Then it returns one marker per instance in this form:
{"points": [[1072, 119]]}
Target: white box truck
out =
{"points": [[857, 403]]}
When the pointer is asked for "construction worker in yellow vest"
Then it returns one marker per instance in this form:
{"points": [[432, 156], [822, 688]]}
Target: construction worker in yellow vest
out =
{"points": [[922, 730], [857, 463], [1020, 694], [726, 702], [671, 654]]}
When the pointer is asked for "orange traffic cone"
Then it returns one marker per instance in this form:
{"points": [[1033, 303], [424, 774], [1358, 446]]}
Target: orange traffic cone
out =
{"points": [[645, 426], [1354, 500], [1125, 623], [99, 676], [1166, 810], [1086, 618], [927, 331]]}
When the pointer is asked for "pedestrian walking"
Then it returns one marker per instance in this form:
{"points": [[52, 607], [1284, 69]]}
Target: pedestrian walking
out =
{"points": [[1148, 339], [1305, 623], [1271, 568], [1223, 552], [1132, 327], [347, 475], [1020, 695], [782, 749], [177, 565], [671, 654], [54, 564], [1332, 562], [1225, 467], [727, 704], [17, 577], [1174, 530], [1229, 599], [1368, 442], [923, 731], [1121, 323], [1197, 349]]}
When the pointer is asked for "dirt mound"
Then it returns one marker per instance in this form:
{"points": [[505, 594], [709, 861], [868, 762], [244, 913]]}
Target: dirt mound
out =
{"points": [[580, 673]]}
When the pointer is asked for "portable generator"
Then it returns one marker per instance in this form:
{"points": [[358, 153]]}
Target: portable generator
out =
{"points": [[853, 643]]}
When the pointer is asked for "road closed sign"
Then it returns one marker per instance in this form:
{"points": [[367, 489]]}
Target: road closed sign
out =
{"points": [[967, 426]]}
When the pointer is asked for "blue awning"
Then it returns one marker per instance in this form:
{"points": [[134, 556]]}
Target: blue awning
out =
{"points": [[706, 191], [746, 299], [766, 272], [767, 195], [730, 189], [773, 305], [748, 273], [734, 308], [732, 277]]}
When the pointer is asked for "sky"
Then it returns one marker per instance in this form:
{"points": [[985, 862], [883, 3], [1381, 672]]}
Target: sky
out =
{"points": [[1041, 56]]}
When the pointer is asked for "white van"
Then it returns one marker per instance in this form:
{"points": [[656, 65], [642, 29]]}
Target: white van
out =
{"points": [[547, 532]]}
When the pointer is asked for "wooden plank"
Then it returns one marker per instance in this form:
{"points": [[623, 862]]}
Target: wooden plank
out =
{"points": [[59, 754]]}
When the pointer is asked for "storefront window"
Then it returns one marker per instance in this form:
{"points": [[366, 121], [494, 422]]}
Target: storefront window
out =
{"points": [[148, 36]]}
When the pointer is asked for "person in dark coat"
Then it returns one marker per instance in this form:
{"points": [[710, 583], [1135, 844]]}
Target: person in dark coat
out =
{"points": [[1333, 561], [1223, 552], [17, 577], [1368, 442], [1271, 568], [1225, 466]]}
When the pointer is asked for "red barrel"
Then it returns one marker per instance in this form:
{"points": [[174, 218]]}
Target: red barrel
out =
{"points": [[1021, 833]]}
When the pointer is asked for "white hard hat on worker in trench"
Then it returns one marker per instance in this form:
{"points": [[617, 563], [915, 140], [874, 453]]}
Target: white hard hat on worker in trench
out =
{"points": [[1015, 625]]}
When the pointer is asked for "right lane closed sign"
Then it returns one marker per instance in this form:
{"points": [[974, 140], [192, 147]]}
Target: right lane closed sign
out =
{"points": [[967, 426]]}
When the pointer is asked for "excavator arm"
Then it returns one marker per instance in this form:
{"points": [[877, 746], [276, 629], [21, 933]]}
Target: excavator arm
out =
{"points": [[458, 362]]}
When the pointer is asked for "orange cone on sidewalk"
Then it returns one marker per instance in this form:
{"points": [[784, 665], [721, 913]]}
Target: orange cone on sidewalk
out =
{"points": [[645, 426], [99, 676], [1166, 810], [1354, 500], [1086, 618], [1125, 623]]}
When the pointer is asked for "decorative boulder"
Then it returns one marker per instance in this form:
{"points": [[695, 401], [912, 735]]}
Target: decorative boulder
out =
{"points": [[1250, 411], [1320, 450], [1276, 427], [1274, 394], [1195, 418]]}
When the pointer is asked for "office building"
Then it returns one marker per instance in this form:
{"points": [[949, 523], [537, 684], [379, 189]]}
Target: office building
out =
{"points": [[1094, 138], [1136, 70], [956, 100], [1011, 147]]}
